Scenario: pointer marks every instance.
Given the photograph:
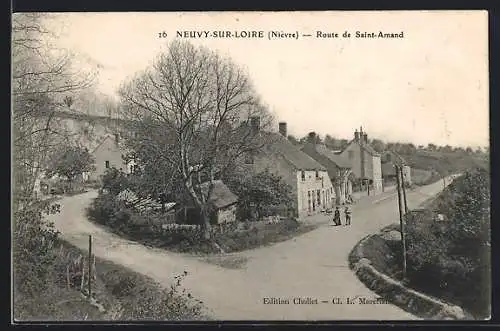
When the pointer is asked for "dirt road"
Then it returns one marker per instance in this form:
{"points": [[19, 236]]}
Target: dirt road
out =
{"points": [[312, 267]]}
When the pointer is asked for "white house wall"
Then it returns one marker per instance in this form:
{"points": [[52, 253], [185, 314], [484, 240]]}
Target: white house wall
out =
{"points": [[310, 185]]}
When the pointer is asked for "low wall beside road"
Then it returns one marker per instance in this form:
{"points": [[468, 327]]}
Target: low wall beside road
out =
{"points": [[414, 302]]}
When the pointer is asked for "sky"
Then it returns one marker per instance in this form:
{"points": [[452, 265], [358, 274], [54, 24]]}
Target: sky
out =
{"points": [[430, 86]]}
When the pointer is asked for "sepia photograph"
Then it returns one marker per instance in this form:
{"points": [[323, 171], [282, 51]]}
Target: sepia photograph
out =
{"points": [[250, 166]]}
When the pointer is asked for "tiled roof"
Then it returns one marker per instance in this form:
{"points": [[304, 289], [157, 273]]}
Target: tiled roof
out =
{"points": [[300, 160], [338, 159], [221, 196]]}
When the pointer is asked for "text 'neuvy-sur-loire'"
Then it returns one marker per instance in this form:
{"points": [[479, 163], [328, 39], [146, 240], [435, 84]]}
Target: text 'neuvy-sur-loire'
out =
{"points": [[278, 34]]}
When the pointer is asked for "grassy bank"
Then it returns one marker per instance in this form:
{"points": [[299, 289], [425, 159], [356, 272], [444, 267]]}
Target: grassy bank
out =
{"points": [[124, 294], [448, 246]]}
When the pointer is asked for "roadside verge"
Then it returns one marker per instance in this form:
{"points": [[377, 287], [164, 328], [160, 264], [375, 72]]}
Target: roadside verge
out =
{"points": [[394, 291]]}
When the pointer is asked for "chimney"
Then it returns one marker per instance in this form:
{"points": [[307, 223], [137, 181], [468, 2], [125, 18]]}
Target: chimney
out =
{"points": [[356, 135], [255, 124], [365, 137], [282, 129]]}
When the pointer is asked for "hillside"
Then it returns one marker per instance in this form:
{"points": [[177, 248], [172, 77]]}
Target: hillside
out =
{"points": [[445, 163]]}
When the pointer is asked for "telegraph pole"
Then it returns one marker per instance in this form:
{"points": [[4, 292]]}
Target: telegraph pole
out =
{"points": [[404, 189], [401, 223]]}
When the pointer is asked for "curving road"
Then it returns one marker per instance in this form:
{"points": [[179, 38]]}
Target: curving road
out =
{"points": [[313, 265]]}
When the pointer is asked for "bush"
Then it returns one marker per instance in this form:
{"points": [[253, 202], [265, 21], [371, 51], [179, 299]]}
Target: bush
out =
{"points": [[145, 228], [114, 181], [143, 299], [33, 241], [454, 253]]}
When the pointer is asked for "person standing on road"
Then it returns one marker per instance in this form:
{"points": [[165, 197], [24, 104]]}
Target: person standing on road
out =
{"points": [[336, 217], [347, 213]]}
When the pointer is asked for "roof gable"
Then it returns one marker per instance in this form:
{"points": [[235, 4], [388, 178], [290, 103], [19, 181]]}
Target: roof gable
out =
{"points": [[338, 159], [105, 139], [366, 147]]}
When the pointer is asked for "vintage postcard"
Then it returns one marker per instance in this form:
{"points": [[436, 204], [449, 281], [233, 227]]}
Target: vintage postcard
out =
{"points": [[274, 166]]}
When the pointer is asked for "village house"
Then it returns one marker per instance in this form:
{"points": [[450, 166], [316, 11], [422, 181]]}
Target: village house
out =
{"points": [[311, 186], [338, 168], [389, 160], [365, 163], [109, 154], [101, 135]]}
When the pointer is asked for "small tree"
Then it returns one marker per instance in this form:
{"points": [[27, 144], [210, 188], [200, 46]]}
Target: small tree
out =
{"points": [[259, 192], [378, 145], [114, 181], [70, 161]]}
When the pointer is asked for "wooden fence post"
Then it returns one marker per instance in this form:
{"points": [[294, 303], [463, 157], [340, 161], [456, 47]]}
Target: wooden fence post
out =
{"points": [[90, 267]]}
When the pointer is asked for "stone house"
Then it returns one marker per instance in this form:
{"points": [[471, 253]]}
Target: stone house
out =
{"points": [[389, 160], [108, 154], [338, 168], [312, 189], [365, 162]]}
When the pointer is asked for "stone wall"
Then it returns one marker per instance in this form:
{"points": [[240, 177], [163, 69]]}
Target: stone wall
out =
{"points": [[417, 303]]}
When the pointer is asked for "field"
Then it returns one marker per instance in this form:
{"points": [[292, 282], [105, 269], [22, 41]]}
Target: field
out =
{"points": [[444, 162], [428, 167]]}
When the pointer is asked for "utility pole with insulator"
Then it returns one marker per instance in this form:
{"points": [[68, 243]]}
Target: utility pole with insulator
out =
{"points": [[404, 189], [401, 222]]}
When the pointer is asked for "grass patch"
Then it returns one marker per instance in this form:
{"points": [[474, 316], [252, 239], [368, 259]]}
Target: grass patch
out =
{"points": [[385, 255], [265, 235], [227, 261]]}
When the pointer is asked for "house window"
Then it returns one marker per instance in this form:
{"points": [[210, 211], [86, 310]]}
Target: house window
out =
{"points": [[107, 164], [309, 200], [317, 174], [303, 173], [350, 154], [319, 197]]}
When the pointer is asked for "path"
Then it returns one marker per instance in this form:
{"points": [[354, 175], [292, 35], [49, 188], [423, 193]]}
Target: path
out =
{"points": [[313, 265]]}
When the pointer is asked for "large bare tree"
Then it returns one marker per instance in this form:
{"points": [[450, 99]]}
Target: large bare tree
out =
{"points": [[188, 112], [43, 80]]}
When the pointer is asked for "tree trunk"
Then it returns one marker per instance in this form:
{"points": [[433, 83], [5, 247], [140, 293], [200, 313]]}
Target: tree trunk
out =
{"points": [[205, 222]]}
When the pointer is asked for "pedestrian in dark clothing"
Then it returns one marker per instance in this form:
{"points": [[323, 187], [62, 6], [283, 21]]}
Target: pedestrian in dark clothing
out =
{"points": [[347, 213], [336, 217]]}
